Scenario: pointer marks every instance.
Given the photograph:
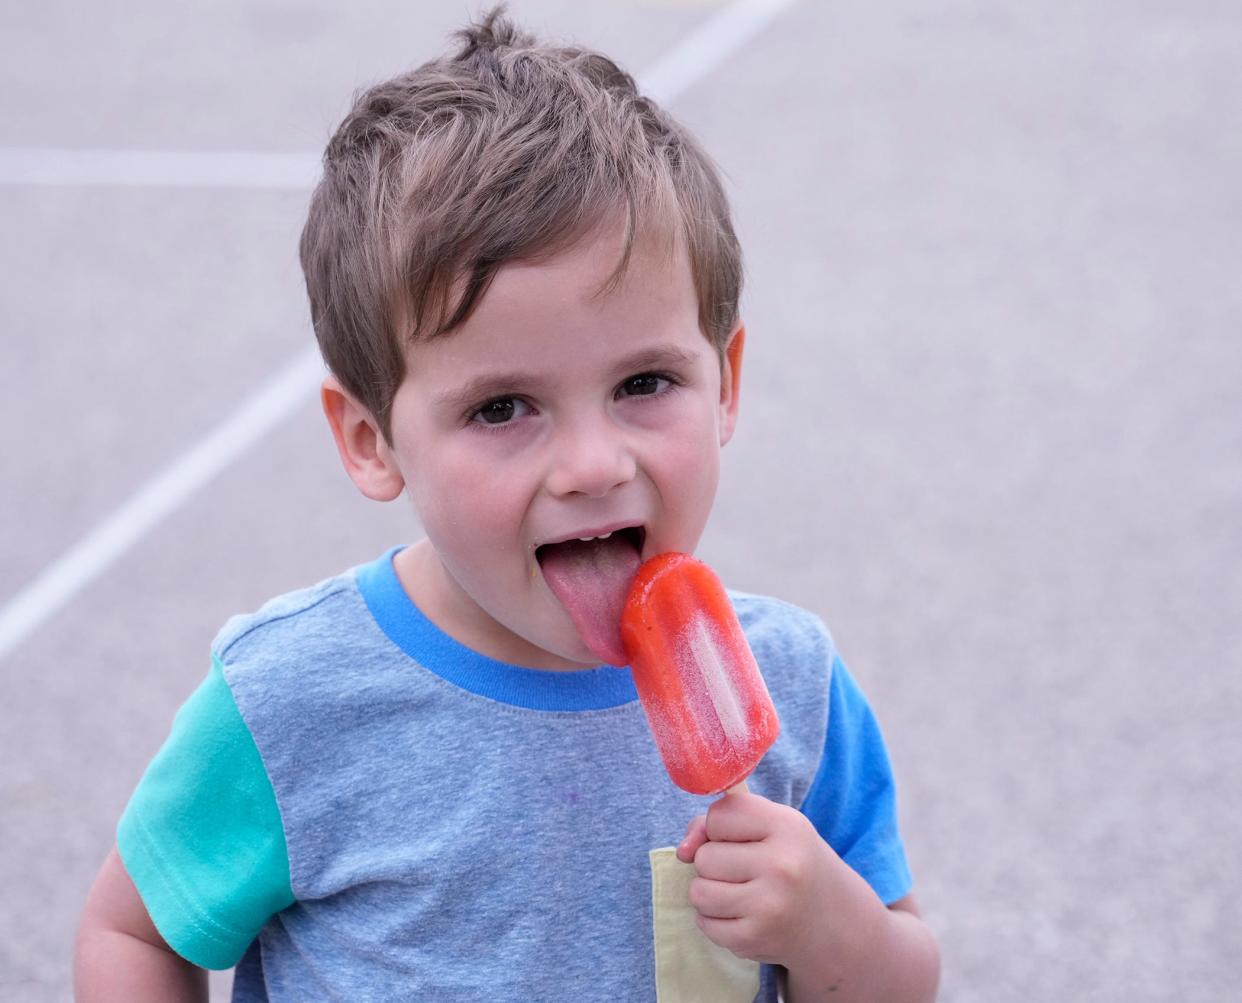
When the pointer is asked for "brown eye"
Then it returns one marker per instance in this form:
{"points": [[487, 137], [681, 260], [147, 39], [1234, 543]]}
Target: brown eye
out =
{"points": [[643, 385], [497, 412]]}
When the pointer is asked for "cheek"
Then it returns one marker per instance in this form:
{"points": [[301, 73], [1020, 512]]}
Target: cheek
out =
{"points": [[689, 471], [466, 498]]}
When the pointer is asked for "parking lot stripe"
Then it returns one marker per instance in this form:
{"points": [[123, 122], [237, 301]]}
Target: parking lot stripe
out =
{"points": [[85, 561], [158, 168], [708, 46]]}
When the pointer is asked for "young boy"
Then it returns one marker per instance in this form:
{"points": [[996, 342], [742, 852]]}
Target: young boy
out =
{"points": [[416, 780]]}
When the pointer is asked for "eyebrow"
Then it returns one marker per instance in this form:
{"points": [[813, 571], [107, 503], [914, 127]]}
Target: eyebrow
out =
{"points": [[655, 357], [498, 384], [483, 388]]}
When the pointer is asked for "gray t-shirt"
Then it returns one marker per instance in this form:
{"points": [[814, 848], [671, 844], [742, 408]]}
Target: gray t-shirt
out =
{"points": [[355, 806]]}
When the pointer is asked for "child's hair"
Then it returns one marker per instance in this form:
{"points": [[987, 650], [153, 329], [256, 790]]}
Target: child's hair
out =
{"points": [[510, 149]]}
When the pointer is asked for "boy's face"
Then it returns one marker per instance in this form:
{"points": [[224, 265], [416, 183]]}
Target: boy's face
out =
{"points": [[558, 412]]}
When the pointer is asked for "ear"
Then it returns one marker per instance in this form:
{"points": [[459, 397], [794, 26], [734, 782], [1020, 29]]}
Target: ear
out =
{"points": [[365, 454], [731, 382]]}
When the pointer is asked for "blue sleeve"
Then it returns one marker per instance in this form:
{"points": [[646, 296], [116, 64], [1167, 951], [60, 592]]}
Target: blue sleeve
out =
{"points": [[853, 801]]}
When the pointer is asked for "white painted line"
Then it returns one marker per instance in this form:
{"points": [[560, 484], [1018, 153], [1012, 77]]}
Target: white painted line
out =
{"points": [[714, 41], [159, 168], [84, 562], [703, 50]]}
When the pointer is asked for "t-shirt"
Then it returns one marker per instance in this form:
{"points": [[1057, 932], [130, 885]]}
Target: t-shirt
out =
{"points": [[355, 806]]}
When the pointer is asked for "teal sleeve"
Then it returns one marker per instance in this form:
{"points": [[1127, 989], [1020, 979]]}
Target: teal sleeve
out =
{"points": [[202, 837]]}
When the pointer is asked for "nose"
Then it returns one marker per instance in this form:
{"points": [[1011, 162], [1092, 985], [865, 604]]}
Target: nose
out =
{"points": [[590, 458]]}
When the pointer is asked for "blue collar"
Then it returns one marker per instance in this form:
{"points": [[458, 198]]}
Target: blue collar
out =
{"points": [[536, 689]]}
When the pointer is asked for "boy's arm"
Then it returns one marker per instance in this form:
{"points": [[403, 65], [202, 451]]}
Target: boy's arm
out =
{"points": [[769, 888], [897, 961], [119, 954]]}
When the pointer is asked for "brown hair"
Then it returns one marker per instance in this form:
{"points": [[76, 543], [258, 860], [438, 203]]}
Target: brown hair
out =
{"points": [[508, 149]]}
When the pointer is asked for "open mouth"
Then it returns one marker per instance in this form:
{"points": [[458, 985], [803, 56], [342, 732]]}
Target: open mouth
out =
{"points": [[591, 578], [630, 536]]}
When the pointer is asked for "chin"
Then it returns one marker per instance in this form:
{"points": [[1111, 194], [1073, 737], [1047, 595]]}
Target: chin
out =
{"points": [[576, 653], [569, 647]]}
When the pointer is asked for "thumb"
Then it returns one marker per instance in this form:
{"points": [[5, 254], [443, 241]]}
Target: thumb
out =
{"points": [[696, 836]]}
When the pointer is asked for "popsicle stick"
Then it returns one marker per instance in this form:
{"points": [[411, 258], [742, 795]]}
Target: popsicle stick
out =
{"points": [[739, 788]]}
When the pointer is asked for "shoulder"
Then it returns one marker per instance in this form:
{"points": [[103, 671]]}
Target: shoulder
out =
{"points": [[289, 618], [312, 652], [782, 634], [302, 644], [796, 655]]}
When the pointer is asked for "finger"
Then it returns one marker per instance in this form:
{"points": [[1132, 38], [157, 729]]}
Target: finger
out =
{"points": [[695, 837], [727, 933], [739, 818], [717, 899], [724, 861]]}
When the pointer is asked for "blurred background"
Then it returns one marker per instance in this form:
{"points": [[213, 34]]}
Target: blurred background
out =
{"points": [[991, 422]]}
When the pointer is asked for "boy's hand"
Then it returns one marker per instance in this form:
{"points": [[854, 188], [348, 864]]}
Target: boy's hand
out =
{"points": [[769, 888]]}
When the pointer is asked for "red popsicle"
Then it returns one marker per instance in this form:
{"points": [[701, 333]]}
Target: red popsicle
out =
{"points": [[706, 702]]}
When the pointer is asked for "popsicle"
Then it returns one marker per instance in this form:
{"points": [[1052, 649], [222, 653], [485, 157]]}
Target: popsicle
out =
{"points": [[709, 710]]}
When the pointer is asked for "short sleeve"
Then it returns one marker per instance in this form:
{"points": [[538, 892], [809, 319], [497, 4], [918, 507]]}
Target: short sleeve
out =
{"points": [[202, 838], [852, 801]]}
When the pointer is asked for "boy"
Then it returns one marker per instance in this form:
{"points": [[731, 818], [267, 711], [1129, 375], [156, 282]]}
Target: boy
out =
{"points": [[416, 780]]}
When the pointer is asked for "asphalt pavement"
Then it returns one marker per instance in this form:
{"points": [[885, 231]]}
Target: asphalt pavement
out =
{"points": [[991, 424]]}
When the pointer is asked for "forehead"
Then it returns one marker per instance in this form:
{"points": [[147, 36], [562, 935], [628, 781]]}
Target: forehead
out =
{"points": [[582, 288], [592, 268], [562, 321]]}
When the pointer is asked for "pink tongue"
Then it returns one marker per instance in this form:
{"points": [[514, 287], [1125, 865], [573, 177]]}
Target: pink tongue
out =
{"points": [[592, 580]]}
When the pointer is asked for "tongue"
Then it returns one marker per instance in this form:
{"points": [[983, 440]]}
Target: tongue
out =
{"points": [[592, 580]]}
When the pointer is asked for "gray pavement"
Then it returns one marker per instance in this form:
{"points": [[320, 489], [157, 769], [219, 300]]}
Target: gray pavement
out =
{"points": [[991, 429]]}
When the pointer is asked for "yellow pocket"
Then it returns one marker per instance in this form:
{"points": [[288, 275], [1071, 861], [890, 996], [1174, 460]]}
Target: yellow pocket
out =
{"points": [[689, 967]]}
